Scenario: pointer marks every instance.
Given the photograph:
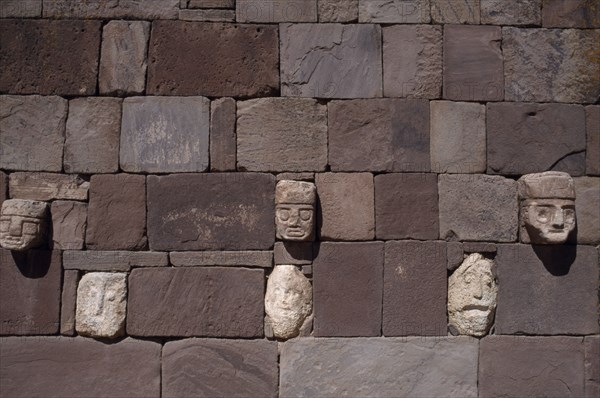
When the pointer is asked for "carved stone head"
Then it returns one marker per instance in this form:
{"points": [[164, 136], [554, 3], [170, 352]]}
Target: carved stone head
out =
{"points": [[472, 292], [23, 224], [547, 210], [295, 210]]}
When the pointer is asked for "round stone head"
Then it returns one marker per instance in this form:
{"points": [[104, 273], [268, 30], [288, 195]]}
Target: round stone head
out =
{"points": [[295, 210], [22, 224]]}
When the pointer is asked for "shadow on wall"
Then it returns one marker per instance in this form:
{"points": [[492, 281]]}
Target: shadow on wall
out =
{"points": [[33, 264], [556, 258]]}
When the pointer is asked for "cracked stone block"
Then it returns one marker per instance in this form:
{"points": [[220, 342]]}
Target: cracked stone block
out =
{"points": [[587, 208], [20, 8], [256, 11], [592, 366], [48, 186], [394, 11], [511, 12], [126, 9], [592, 160], [223, 135], [68, 302], [69, 220], [455, 11], [338, 10], [571, 14]]}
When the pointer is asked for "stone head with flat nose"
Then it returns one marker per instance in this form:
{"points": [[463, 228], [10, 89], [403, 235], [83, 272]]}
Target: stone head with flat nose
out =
{"points": [[295, 210], [22, 224]]}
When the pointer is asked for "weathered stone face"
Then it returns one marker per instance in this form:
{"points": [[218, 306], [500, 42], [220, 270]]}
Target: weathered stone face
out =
{"points": [[22, 224], [295, 210]]}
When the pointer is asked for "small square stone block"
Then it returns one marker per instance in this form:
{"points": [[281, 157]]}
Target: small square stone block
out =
{"points": [[69, 221], [296, 253]]}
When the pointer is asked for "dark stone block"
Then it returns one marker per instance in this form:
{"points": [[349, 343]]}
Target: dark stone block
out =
{"points": [[69, 302], [222, 135], [3, 187], [592, 366], [295, 253], [592, 118], [479, 247], [570, 14]]}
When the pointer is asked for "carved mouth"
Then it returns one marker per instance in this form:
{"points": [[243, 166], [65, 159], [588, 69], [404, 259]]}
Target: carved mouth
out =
{"points": [[474, 307], [295, 232]]}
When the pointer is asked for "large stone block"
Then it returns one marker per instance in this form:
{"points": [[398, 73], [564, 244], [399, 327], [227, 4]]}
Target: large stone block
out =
{"points": [[338, 10], [261, 259], [512, 366], [455, 11], [68, 302], [394, 11], [212, 59], [347, 289], [20, 8], [281, 134], [94, 260], [48, 186], [127, 9], [79, 367], [165, 134], [33, 132], [391, 367], [253, 11], [592, 366], [214, 302], [49, 57], [592, 160], [478, 208], [223, 135], [547, 289], [551, 65], [226, 211], [571, 14], [69, 220], [554, 137], [587, 207], [331, 60], [511, 12]]}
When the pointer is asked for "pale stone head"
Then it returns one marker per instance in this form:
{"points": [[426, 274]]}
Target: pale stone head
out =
{"points": [[472, 292], [295, 210], [23, 224], [288, 300]]}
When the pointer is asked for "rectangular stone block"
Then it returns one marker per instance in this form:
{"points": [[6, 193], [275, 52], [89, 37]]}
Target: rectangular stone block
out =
{"points": [[20, 8], [245, 368], [281, 134], [207, 15], [398, 132], [455, 11], [338, 10], [219, 211], [29, 293], [68, 302], [331, 60], [33, 132], [296, 253], [511, 12], [237, 60], [213, 302], [347, 289], [69, 221], [98, 9], [112, 260], [48, 186], [394, 11], [253, 11], [547, 289], [592, 366], [210, 3], [522, 366], [479, 247], [571, 14], [587, 208], [261, 259], [592, 159], [3, 187], [406, 206], [80, 367], [223, 135], [33, 50], [375, 367], [299, 176]]}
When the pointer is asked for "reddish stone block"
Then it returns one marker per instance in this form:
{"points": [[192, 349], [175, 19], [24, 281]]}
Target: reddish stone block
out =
{"points": [[571, 14], [69, 220], [222, 135]]}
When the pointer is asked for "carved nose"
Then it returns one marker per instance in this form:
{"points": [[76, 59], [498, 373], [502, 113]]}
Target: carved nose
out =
{"points": [[558, 221], [477, 291], [15, 228], [294, 216]]}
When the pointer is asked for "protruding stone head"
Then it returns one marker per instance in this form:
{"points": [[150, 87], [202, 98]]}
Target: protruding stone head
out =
{"points": [[472, 292], [295, 210], [23, 224], [547, 207]]}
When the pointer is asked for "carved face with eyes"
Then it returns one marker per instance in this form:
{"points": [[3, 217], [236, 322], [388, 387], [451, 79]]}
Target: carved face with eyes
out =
{"points": [[22, 224], [549, 221], [294, 210]]}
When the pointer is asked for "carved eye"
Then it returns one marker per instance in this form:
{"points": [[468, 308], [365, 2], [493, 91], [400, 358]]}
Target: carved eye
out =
{"points": [[542, 214], [468, 278], [305, 214], [284, 215], [30, 228], [569, 215]]}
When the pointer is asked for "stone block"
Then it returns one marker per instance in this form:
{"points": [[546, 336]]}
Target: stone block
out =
{"points": [[93, 260], [237, 60], [29, 293], [480, 247], [117, 212], [299, 176], [512, 366], [296, 253], [92, 135], [338, 10], [511, 12], [592, 160], [394, 11], [246, 368], [592, 366], [551, 65], [213, 302], [473, 69], [347, 289], [458, 137], [49, 57], [331, 60], [69, 220], [253, 11], [478, 208], [406, 206], [165, 134], [554, 133], [124, 9], [390, 367], [218, 211], [80, 367], [3, 187], [547, 289], [20, 8], [415, 289], [223, 135], [398, 132], [48, 186], [209, 3], [347, 206], [261, 259], [212, 15], [281, 134], [587, 208], [454, 255], [455, 11], [33, 132], [571, 14], [68, 302], [123, 61]]}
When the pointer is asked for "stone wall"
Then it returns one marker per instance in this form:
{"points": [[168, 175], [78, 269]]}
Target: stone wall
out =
{"points": [[157, 131]]}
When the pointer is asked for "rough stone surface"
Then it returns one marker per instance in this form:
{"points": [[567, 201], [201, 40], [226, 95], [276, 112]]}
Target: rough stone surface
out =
{"points": [[531, 367], [547, 289], [587, 208], [208, 3], [253, 11], [455, 11], [69, 220], [347, 289], [92, 260], [511, 12], [394, 11], [165, 134], [48, 186], [123, 61], [551, 65], [212, 15], [398, 132], [347, 206], [571, 14], [33, 132], [473, 63], [214, 302], [148, 9], [101, 304], [415, 286], [68, 302], [406, 206], [226, 211], [23, 224], [246, 368], [338, 10], [3, 187], [117, 212], [49, 57], [281, 134], [223, 135], [592, 117], [458, 137], [331, 60], [297, 176], [554, 133], [213, 59], [478, 208], [79, 367], [20, 8], [592, 366], [29, 293], [297, 253], [262, 259], [92, 136], [390, 367]]}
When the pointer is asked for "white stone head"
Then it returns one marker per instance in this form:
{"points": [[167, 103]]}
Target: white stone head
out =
{"points": [[295, 210], [23, 224]]}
